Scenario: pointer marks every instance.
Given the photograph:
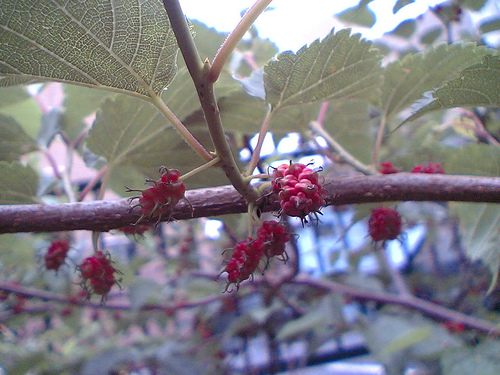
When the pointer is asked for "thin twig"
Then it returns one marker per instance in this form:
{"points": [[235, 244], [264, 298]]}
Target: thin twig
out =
{"points": [[254, 161], [234, 38], [317, 128]]}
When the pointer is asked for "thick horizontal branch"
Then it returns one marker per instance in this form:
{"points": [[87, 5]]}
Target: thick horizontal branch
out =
{"points": [[107, 215]]}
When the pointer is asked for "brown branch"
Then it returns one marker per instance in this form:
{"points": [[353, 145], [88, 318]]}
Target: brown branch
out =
{"points": [[33, 293], [427, 308], [112, 214]]}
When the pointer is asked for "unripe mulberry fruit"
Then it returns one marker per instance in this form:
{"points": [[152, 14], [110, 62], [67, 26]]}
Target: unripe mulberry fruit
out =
{"points": [[299, 190], [388, 168], [160, 199], [244, 261], [273, 236], [384, 224], [430, 168], [56, 254], [98, 274]]}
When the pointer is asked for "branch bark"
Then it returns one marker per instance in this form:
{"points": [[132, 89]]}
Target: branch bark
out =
{"points": [[113, 214]]}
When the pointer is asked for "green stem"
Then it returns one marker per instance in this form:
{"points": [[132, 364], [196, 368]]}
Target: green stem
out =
{"points": [[179, 126], [223, 150], [256, 152], [204, 88], [184, 38], [199, 169], [344, 154], [378, 141], [234, 38]]}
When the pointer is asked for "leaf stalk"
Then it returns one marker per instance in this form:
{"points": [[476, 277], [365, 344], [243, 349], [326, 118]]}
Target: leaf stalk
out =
{"points": [[234, 38]]}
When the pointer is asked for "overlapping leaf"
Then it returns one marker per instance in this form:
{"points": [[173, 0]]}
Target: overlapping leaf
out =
{"points": [[478, 85], [79, 102], [12, 95], [400, 4], [18, 183], [479, 229], [131, 132], [14, 141], [124, 45], [405, 81], [340, 66]]}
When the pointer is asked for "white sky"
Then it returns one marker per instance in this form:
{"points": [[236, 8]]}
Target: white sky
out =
{"points": [[294, 23]]}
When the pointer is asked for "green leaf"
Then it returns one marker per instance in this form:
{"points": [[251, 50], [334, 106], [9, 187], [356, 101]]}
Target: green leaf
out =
{"points": [[482, 359], [182, 98], [28, 363], [22, 259], [243, 114], [490, 25], [12, 95], [18, 184], [407, 80], [123, 45], [431, 35], [478, 85], [326, 313], [349, 123], [400, 4], [405, 29], [80, 102], [473, 4], [140, 291], [340, 66], [359, 15], [27, 113], [131, 132], [475, 160], [407, 339], [14, 141], [479, 223]]}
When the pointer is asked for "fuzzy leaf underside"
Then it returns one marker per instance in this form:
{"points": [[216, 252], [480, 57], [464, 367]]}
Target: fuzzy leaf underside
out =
{"points": [[131, 132], [18, 184], [340, 66], [405, 81], [478, 85], [122, 45]]}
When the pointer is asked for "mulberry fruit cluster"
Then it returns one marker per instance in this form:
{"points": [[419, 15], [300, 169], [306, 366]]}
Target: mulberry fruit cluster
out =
{"points": [[299, 190], [384, 224], [98, 274], [56, 254], [428, 168], [388, 168], [159, 199], [247, 254]]}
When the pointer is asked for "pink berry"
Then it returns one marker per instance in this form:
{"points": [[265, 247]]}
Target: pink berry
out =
{"points": [[56, 254], [98, 274], [388, 168], [160, 199], [299, 190], [384, 224], [273, 236], [428, 168]]}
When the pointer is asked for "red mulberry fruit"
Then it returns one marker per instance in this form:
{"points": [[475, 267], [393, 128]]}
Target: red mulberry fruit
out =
{"points": [[56, 254], [384, 224], [299, 190]]}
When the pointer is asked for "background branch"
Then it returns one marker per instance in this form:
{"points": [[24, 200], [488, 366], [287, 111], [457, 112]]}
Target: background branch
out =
{"points": [[112, 214]]}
